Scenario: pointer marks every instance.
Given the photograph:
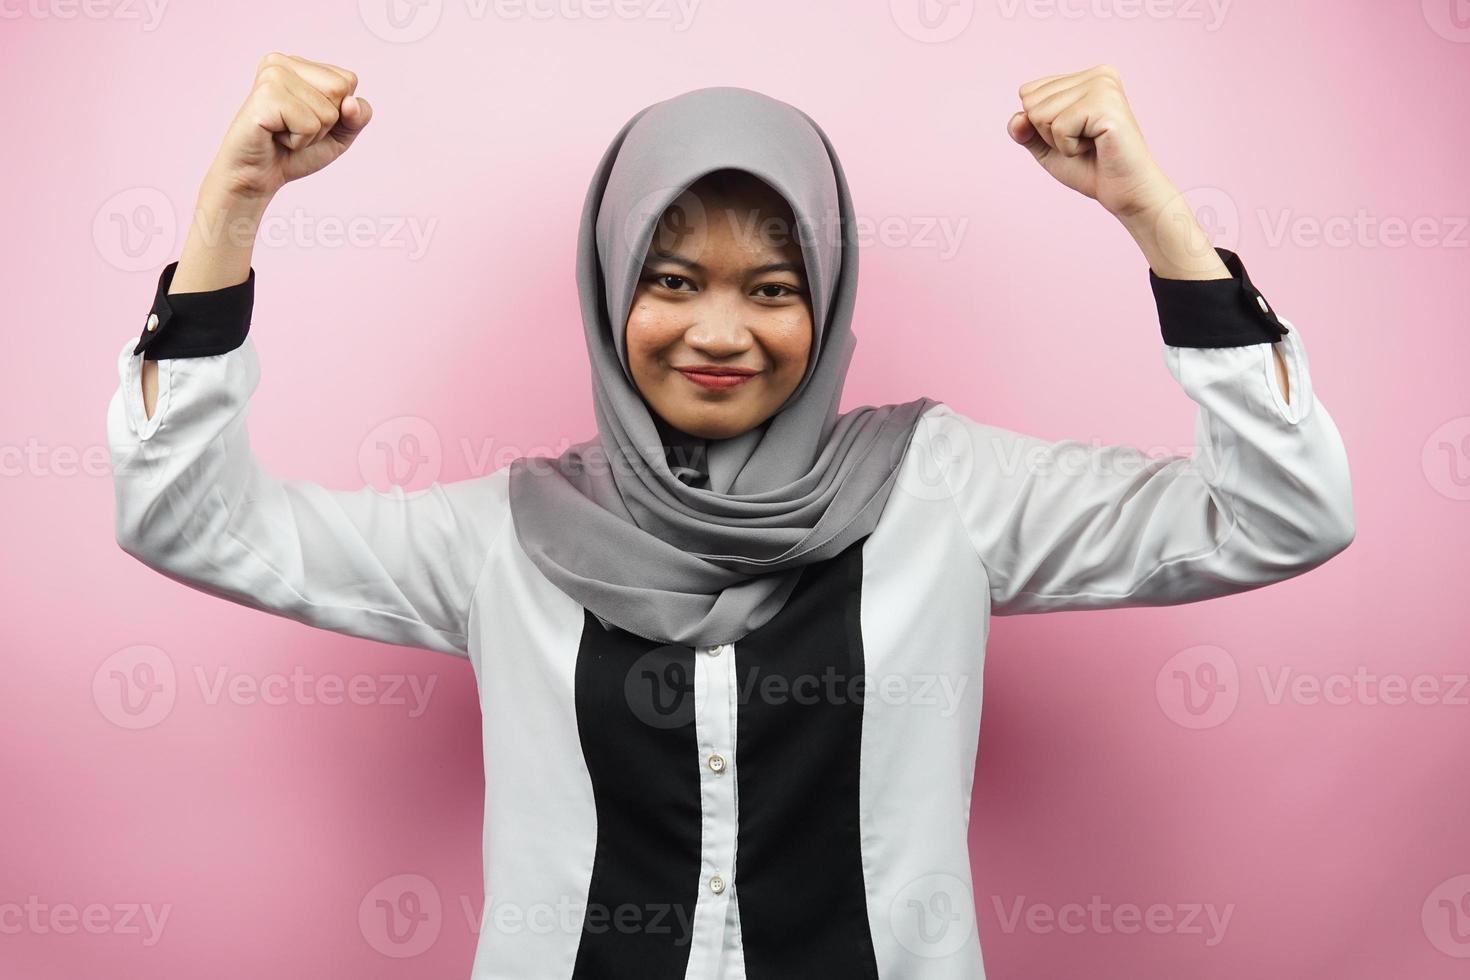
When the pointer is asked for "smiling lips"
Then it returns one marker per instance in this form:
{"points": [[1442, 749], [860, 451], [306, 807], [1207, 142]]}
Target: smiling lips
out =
{"points": [[715, 376]]}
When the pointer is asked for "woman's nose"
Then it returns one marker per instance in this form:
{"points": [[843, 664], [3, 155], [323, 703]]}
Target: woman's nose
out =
{"points": [[719, 329], [718, 340]]}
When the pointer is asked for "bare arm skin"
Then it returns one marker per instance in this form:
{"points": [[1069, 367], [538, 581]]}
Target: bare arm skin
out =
{"points": [[300, 115]]}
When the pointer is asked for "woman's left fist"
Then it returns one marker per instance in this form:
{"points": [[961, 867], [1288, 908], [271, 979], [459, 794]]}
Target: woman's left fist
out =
{"points": [[1080, 128]]}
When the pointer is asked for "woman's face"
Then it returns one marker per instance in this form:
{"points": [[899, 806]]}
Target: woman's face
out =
{"points": [[720, 327]]}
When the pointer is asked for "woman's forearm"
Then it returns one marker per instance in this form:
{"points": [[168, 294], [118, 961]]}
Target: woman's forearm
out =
{"points": [[1081, 129], [1177, 247], [221, 241], [1173, 241], [217, 253]]}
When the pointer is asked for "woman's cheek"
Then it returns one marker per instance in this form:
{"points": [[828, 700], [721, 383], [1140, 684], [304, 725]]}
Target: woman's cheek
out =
{"points": [[792, 343], [640, 337], [650, 328]]}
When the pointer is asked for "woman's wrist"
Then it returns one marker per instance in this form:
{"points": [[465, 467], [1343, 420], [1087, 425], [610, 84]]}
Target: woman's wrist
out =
{"points": [[1173, 241], [221, 240]]}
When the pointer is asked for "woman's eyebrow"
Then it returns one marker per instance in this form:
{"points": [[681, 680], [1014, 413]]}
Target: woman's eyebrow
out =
{"points": [[680, 260], [795, 267]]}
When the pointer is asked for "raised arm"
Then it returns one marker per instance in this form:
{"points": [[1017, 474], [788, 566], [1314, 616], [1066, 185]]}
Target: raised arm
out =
{"points": [[1264, 496], [193, 501]]}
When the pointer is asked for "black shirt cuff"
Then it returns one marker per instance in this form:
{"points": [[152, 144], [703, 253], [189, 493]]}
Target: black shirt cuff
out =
{"points": [[214, 321], [1215, 312]]}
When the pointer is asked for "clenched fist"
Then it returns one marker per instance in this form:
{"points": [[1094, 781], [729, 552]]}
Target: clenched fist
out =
{"points": [[1080, 128], [300, 116]]}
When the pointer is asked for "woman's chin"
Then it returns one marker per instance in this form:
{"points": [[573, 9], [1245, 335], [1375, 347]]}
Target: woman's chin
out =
{"points": [[706, 426]]}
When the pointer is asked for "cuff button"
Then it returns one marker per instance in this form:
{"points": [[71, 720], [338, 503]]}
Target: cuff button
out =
{"points": [[152, 322]]}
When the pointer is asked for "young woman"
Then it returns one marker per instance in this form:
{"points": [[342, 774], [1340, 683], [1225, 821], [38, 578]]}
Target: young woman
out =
{"points": [[729, 650]]}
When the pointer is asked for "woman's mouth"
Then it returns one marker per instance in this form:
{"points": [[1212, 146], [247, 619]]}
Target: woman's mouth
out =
{"points": [[718, 377]]}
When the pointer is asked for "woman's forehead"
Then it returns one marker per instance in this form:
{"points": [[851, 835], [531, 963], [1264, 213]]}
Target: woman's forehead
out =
{"points": [[737, 191], [728, 215], [701, 249]]}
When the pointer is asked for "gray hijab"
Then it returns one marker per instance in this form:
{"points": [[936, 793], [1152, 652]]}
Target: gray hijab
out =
{"points": [[676, 538]]}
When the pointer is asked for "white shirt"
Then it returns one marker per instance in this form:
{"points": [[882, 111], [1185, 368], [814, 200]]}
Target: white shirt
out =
{"points": [[746, 810]]}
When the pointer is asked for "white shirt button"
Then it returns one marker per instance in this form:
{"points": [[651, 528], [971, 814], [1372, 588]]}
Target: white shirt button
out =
{"points": [[1261, 301], [714, 651], [716, 884], [717, 763], [152, 321]]}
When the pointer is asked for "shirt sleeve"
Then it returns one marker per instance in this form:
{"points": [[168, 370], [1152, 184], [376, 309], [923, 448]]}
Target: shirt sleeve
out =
{"points": [[1263, 496], [193, 502]]}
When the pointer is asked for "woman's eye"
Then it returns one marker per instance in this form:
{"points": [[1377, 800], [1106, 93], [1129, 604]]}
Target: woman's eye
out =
{"points": [[789, 290], [663, 280]]}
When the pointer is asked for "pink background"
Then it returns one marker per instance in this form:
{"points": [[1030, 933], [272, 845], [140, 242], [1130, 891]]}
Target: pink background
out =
{"points": [[1335, 835]]}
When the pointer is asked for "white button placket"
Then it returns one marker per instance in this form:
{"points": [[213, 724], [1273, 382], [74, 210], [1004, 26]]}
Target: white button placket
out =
{"points": [[714, 725]]}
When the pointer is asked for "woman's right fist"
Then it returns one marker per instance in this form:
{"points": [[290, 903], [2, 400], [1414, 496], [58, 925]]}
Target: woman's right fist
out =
{"points": [[300, 116]]}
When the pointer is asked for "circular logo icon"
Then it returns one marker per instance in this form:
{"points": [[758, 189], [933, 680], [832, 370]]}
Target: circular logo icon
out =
{"points": [[1215, 212], [135, 229], [400, 452], [679, 224], [1450, 19], [933, 916], [1198, 687], [1446, 917], [1446, 459], [663, 687], [401, 916], [400, 21], [136, 687], [941, 462], [932, 21]]}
